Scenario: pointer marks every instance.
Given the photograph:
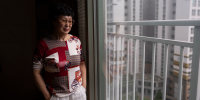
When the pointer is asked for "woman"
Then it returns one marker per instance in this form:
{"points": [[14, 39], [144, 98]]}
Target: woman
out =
{"points": [[59, 55]]}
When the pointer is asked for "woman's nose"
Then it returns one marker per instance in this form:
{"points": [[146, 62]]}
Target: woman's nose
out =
{"points": [[68, 23]]}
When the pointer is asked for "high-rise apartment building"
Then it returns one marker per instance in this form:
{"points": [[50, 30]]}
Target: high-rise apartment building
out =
{"points": [[123, 10], [130, 10], [136, 10], [171, 10]]}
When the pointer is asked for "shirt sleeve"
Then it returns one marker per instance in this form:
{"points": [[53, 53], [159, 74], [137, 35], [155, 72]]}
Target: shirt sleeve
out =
{"points": [[39, 54]]}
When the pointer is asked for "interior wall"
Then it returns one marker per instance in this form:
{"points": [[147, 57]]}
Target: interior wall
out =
{"points": [[17, 41], [42, 15], [22, 22]]}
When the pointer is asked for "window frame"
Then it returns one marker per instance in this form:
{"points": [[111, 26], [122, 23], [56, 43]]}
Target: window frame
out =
{"points": [[96, 33]]}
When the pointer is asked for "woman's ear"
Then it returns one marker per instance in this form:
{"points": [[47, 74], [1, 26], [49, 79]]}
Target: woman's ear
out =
{"points": [[73, 21]]}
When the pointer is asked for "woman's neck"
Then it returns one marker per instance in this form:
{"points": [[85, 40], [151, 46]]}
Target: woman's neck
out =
{"points": [[62, 37]]}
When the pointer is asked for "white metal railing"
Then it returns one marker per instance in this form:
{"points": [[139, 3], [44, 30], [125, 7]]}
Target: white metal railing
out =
{"points": [[115, 73]]}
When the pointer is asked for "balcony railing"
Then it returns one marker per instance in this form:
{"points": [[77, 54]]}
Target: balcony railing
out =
{"points": [[118, 76]]}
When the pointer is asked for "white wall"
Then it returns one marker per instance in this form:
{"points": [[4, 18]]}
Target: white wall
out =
{"points": [[183, 9]]}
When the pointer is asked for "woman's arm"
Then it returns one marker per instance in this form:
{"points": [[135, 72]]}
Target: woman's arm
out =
{"points": [[41, 84], [83, 72]]}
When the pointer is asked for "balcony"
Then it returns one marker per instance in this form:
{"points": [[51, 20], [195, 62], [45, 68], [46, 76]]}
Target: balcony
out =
{"points": [[121, 82]]}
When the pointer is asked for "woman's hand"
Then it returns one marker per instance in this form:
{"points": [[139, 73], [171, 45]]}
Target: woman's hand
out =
{"points": [[41, 84], [52, 62], [84, 85], [48, 97], [83, 72]]}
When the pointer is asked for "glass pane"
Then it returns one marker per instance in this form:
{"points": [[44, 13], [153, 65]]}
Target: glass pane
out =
{"points": [[125, 54]]}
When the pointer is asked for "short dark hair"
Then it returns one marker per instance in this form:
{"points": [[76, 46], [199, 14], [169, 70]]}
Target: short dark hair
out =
{"points": [[59, 9]]}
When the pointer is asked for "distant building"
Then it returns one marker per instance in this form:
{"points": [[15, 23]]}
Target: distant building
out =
{"points": [[158, 84], [118, 55], [171, 10]]}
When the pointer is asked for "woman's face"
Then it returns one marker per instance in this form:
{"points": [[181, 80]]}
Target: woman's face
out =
{"points": [[63, 24]]}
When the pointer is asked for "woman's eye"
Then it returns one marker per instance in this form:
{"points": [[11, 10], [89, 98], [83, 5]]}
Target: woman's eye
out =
{"points": [[70, 21], [66, 21]]}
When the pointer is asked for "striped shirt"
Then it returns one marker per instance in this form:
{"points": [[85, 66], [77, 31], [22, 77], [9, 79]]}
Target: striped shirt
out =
{"points": [[64, 76]]}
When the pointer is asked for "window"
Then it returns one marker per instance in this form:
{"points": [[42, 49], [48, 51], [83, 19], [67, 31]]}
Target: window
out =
{"points": [[126, 14], [194, 2], [193, 12], [198, 3], [190, 57], [147, 84], [139, 83], [138, 11], [198, 13], [173, 12], [126, 7], [148, 92], [192, 31], [191, 49], [191, 39], [139, 90]]}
